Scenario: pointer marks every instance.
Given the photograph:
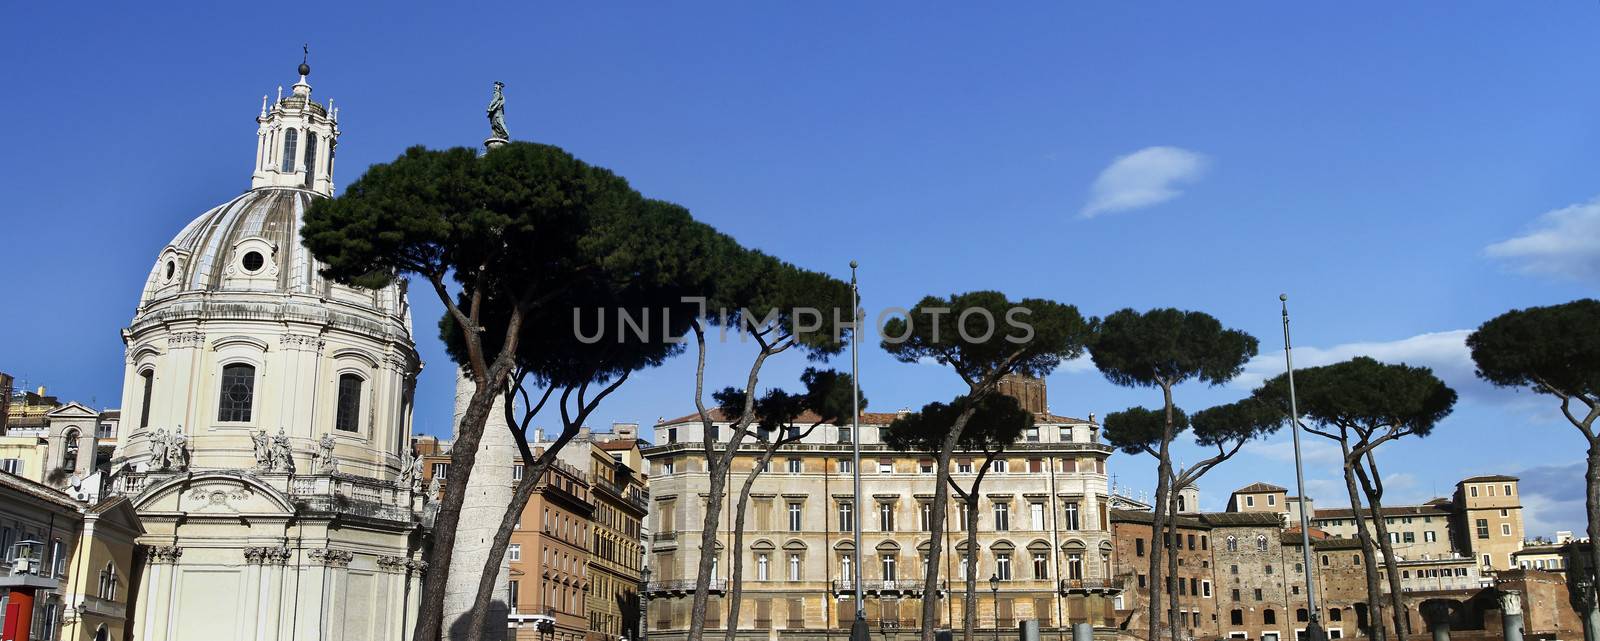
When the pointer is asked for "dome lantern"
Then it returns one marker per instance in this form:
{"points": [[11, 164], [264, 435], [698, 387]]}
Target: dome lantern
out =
{"points": [[295, 141]]}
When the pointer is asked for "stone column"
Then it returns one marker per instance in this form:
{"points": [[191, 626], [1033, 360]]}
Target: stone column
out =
{"points": [[1511, 614], [488, 493]]}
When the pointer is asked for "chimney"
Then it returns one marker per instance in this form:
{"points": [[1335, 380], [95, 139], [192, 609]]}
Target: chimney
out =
{"points": [[625, 431]]}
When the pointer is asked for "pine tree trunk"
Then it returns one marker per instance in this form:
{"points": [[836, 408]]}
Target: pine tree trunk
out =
{"points": [[1591, 476], [1173, 621], [971, 610], [940, 507], [1369, 561], [1158, 519], [497, 550], [736, 557], [1391, 565]]}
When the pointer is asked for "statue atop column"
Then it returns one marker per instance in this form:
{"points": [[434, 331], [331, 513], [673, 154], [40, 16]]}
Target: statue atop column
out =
{"points": [[497, 118]]}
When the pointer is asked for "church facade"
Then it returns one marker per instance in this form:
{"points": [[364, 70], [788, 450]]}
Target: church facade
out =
{"points": [[266, 444]]}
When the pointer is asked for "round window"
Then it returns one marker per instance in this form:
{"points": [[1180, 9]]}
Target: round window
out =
{"points": [[238, 392], [171, 267], [253, 261]]}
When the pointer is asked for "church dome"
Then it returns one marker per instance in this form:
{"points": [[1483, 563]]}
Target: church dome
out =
{"points": [[250, 243]]}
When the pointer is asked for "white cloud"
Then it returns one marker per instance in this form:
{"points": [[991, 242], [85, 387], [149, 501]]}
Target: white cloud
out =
{"points": [[1552, 499], [1564, 242], [1279, 447], [1445, 353], [1143, 178]]}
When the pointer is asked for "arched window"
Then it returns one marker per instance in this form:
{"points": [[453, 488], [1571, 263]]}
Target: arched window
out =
{"points": [[1302, 615], [311, 158], [1269, 617], [1233, 544], [147, 379], [1236, 617], [290, 137], [108, 582], [1261, 543], [237, 394], [1181, 507], [348, 413]]}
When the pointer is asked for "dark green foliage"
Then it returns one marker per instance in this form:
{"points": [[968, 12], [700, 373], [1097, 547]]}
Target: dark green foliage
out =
{"points": [[1137, 430], [1367, 396], [997, 423], [827, 397], [1058, 332], [1168, 345], [1236, 422], [1555, 349]]}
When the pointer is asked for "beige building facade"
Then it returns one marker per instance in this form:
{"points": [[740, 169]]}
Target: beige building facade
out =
{"points": [[1044, 532]]}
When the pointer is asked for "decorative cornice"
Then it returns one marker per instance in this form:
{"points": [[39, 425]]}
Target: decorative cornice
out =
{"points": [[302, 342], [269, 555], [331, 558], [164, 554], [394, 564], [186, 339]]}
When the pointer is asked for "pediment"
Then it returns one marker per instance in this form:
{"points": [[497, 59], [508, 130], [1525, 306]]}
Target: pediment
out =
{"points": [[214, 494], [73, 409]]}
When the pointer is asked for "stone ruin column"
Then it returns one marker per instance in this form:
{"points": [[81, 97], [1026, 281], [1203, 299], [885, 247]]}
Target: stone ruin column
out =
{"points": [[488, 494]]}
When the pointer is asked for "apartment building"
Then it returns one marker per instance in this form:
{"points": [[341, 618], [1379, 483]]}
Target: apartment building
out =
{"points": [[1481, 521], [549, 558], [1043, 519]]}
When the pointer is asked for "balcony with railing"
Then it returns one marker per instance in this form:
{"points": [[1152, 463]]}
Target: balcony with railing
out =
{"points": [[682, 587], [1086, 586], [336, 493], [893, 587]]}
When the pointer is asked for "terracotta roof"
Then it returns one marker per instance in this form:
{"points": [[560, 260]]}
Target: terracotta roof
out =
{"points": [[1135, 516], [1490, 477], [618, 444], [867, 418], [1316, 534], [38, 490], [1259, 487], [1272, 519], [1426, 509]]}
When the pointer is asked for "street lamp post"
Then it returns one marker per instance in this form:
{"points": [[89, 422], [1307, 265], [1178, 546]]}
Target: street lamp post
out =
{"points": [[644, 603], [1314, 626], [994, 589], [858, 627]]}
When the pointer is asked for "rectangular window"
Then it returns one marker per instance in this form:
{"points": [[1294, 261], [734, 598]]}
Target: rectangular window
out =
{"points": [[348, 410], [795, 466], [1205, 589], [885, 466], [1508, 489], [925, 466], [794, 567], [886, 517], [441, 471], [148, 381], [1035, 465], [1041, 565], [1483, 528], [1272, 499], [1036, 515], [1074, 565], [1065, 435], [1473, 490], [1258, 594], [514, 553], [1408, 537], [1031, 435], [1250, 501], [846, 466], [238, 391], [925, 517], [763, 567], [847, 517], [794, 517], [998, 466], [1002, 517], [290, 140], [1505, 529], [964, 466], [1002, 566], [1071, 515], [887, 562], [1138, 547]]}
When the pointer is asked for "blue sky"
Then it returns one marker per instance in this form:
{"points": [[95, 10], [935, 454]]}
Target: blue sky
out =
{"points": [[1404, 170]]}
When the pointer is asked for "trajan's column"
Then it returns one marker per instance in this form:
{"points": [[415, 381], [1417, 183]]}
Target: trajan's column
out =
{"points": [[488, 495]]}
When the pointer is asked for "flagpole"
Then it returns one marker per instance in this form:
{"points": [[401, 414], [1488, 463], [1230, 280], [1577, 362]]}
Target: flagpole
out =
{"points": [[858, 629], [1314, 627]]}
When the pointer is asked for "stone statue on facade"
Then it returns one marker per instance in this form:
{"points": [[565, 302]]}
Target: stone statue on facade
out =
{"points": [[322, 460], [282, 455], [433, 490], [159, 458], [411, 473], [497, 113], [263, 450], [179, 449]]}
